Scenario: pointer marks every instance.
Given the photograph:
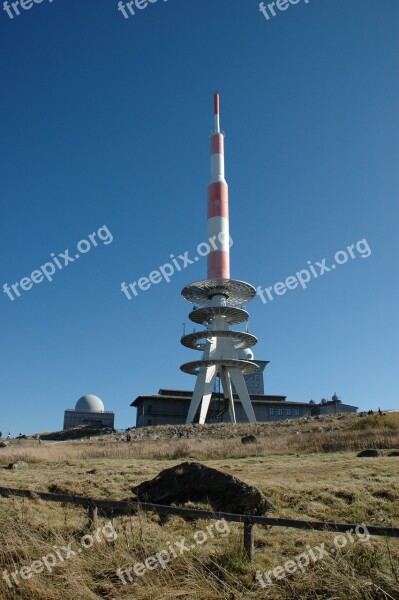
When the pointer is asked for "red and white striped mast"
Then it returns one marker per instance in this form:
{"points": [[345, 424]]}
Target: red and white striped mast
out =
{"points": [[220, 301], [218, 203]]}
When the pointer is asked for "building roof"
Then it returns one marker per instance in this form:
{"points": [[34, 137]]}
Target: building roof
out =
{"points": [[185, 396], [188, 394]]}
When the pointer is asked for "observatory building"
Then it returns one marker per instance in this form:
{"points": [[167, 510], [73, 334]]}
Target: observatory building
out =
{"points": [[89, 411]]}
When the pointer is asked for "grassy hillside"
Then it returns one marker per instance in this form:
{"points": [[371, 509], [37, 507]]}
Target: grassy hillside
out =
{"points": [[308, 469]]}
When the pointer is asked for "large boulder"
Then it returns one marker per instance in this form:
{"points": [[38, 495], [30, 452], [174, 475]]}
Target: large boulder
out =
{"points": [[369, 453], [195, 482], [249, 439]]}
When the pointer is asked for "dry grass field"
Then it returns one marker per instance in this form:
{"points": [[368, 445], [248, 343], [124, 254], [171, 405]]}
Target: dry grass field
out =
{"points": [[310, 475]]}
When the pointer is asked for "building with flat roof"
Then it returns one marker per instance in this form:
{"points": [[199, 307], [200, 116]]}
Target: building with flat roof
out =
{"points": [[90, 411], [335, 406], [170, 407]]}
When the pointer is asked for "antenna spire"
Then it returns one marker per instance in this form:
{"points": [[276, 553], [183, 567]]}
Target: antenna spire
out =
{"points": [[216, 111]]}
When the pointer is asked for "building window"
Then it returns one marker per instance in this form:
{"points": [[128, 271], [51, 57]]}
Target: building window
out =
{"points": [[149, 410], [288, 412], [271, 411], [280, 412], [297, 412], [148, 421]]}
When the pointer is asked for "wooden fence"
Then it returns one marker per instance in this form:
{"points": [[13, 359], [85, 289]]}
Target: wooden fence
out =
{"points": [[128, 507]]}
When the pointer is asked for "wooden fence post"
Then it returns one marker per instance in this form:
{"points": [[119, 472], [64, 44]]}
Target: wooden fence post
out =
{"points": [[92, 514], [249, 540]]}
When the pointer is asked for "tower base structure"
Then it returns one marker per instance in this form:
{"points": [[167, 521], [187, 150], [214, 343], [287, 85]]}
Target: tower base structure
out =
{"points": [[220, 306]]}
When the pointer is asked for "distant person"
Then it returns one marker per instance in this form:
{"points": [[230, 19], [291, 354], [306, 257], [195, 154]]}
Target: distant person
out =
{"points": [[379, 412]]}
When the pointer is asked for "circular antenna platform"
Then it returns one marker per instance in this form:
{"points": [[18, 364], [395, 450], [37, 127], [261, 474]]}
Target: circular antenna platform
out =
{"points": [[194, 367], [241, 340], [233, 316], [234, 292]]}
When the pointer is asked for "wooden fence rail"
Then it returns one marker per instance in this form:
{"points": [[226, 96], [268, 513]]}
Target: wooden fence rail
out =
{"points": [[127, 507]]}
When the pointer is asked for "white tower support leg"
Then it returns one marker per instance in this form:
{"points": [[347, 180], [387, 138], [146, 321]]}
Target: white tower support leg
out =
{"points": [[226, 384], [208, 389], [242, 391], [202, 391]]}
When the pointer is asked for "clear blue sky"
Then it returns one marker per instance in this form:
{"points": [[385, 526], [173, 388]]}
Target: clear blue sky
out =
{"points": [[106, 121]]}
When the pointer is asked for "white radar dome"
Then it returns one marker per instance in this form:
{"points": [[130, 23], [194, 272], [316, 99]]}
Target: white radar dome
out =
{"points": [[246, 354], [90, 403]]}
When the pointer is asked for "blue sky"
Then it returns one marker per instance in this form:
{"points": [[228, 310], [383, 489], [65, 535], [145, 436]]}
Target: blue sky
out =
{"points": [[106, 122]]}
